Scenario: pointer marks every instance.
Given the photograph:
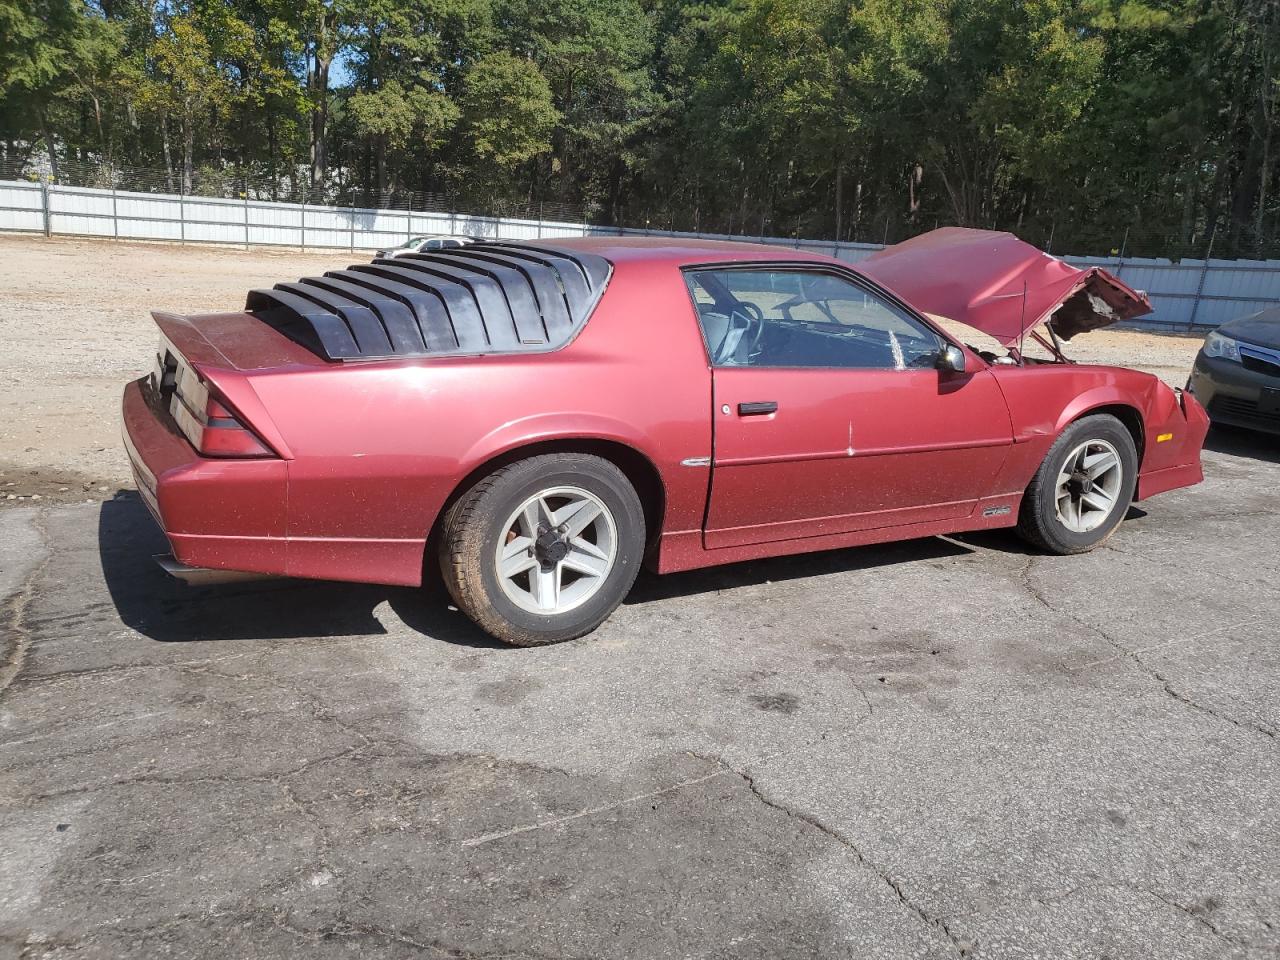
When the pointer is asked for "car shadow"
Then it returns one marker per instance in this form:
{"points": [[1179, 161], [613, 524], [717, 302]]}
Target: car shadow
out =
{"points": [[1238, 442], [166, 610], [1005, 540], [650, 587]]}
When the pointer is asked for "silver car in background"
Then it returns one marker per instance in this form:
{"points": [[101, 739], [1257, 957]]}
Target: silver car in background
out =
{"points": [[425, 243]]}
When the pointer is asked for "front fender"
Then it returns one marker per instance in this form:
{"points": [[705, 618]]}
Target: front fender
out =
{"points": [[1171, 435], [1045, 399], [1109, 395]]}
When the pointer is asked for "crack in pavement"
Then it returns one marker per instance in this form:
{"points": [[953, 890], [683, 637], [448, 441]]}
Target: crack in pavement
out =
{"points": [[349, 930], [1197, 915], [1057, 898], [47, 942], [604, 808], [1024, 579], [1178, 695], [16, 608], [962, 947], [322, 831], [1173, 552], [1217, 631], [123, 670], [108, 746], [591, 811], [152, 780], [391, 749], [316, 707], [274, 918]]}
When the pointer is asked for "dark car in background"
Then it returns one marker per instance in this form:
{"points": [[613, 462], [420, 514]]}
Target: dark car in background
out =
{"points": [[1237, 372]]}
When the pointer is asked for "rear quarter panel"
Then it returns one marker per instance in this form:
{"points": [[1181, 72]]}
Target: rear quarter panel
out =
{"points": [[379, 447]]}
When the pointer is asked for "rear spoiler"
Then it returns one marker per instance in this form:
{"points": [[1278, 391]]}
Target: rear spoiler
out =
{"points": [[184, 343], [998, 284]]}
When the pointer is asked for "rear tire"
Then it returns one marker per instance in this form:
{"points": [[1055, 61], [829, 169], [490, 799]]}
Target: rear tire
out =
{"points": [[1083, 488], [544, 549]]}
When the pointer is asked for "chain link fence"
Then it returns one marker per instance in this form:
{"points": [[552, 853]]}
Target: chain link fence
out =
{"points": [[88, 199]]}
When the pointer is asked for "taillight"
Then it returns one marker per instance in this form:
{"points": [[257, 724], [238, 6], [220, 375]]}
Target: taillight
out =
{"points": [[225, 436], [206, 420]]}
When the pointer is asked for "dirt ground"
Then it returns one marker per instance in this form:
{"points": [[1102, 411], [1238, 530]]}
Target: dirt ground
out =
{"points": [[75, 318]]}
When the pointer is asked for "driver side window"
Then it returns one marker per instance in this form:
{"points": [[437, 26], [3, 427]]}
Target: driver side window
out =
{"points": [[805, 318]]}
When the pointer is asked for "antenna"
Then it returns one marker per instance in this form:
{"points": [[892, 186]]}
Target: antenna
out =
{"points": [[1022, 322]]}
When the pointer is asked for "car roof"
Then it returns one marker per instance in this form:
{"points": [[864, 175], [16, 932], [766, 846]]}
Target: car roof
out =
{"points": [[502, 296], [679, 251]]}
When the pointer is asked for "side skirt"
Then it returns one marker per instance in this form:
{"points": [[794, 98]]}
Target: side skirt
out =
{"points": [[684, 550]]}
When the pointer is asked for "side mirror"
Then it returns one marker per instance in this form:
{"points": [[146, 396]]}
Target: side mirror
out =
{"points": [[951, 359]]}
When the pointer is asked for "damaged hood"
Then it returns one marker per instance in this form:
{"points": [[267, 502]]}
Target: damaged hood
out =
{"points": [[978, 277]]}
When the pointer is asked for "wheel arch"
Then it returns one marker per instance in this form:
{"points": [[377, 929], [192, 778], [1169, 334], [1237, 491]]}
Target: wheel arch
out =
{"points": [[1128, 415], [639, 470]]}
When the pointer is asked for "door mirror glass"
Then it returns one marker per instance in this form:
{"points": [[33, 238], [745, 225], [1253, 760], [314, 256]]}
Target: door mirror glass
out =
{"points": [[951, 359]]}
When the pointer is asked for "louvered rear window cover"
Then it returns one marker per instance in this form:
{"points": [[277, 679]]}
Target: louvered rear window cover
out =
{"points": [[486, 298]]}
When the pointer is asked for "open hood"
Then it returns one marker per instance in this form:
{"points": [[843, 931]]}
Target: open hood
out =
{"points": [[982, 278]]}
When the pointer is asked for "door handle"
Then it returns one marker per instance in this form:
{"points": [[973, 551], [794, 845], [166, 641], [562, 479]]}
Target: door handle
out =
{"points": [[757, 407]]}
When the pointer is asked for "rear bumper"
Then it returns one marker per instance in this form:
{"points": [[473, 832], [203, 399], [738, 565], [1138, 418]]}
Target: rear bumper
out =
{"points": [[1233, 395], [217, 514], [203, 576], [225, 515]]}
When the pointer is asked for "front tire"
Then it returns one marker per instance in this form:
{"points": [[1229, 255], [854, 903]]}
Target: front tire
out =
{"points": [[544, 549], [1083, 488]]}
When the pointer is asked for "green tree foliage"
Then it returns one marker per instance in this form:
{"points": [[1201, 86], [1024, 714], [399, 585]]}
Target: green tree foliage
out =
{"points": [[49, 52], [509, 111], [1147, 125]]}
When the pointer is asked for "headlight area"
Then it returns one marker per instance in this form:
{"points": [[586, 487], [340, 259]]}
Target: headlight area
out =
{"points": [[1217, 345]]}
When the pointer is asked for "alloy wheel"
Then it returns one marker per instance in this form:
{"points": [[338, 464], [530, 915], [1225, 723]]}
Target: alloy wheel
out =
{"points": [[1089, 484], [556, 550]]}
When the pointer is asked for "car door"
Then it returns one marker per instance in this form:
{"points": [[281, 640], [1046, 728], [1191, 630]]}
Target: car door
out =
{"points": [[830, 415]]}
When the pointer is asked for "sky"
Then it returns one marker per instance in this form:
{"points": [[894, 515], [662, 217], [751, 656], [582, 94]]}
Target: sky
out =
{"points": [[340, 71]]}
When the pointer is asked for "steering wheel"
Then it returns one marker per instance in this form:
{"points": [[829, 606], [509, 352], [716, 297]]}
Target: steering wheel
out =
{"points": [[755, 324]]}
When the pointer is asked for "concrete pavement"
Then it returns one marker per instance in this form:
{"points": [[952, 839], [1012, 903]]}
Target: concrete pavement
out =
{"points": [[942, 748]]}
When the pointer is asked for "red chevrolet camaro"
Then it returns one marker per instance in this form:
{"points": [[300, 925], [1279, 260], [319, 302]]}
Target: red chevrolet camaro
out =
{"points": [[539, 419]]}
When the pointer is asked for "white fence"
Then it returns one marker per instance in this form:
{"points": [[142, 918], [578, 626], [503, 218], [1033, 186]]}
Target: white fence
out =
{"points": [[1187, 294], [84, 211]]}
